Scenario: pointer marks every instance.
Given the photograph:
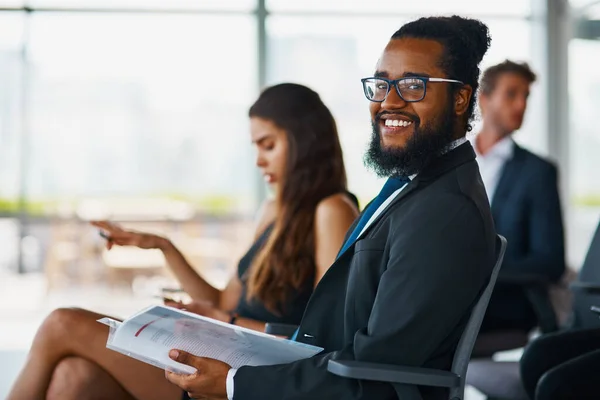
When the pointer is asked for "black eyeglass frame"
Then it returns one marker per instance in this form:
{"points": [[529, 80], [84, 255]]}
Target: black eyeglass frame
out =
{"points": [[394, 83]]}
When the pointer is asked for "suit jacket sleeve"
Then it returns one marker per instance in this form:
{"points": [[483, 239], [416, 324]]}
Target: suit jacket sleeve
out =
{"points": [[545, 229], [434, 274]]}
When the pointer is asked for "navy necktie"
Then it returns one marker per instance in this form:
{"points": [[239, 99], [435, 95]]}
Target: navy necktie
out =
{"points": [[390, 186]]}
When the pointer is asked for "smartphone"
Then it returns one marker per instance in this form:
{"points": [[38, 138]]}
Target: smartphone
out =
{"points": [[173, 290], [164, 298], [104, 235]]}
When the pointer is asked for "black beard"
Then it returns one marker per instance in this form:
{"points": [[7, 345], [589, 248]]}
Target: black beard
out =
{"points": [[426, 143]]}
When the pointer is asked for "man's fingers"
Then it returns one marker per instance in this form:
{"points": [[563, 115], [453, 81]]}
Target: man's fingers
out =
{"points": [[189, 359], [183, 381], [183, 357]]}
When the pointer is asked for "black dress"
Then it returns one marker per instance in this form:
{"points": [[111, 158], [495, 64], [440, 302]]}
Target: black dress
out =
{"points": [[292, 310]]}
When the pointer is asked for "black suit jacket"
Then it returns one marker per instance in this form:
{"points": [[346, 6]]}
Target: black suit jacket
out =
{"points": [[400, 295], [526, 210]]}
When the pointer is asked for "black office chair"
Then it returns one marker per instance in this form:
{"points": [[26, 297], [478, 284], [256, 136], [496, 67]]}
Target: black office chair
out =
{"points": [[501, 380], [406, 379], [537, 291]]}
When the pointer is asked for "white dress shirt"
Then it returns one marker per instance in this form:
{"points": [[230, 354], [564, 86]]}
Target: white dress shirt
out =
{"points": [[491, 164], [230, 375]]}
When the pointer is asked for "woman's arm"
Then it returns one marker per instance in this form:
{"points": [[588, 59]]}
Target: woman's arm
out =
{"points": [[333, 217], [191, 282], [189, 279]]}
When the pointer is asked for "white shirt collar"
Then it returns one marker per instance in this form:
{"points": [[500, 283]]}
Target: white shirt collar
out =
{"points": [[503, 149], [454, 144], [446, 149]]}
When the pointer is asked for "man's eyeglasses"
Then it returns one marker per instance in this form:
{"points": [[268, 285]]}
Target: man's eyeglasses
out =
{"points": [[410, 89]]}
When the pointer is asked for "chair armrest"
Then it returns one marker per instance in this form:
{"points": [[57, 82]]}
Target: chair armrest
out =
{"points": [[280, 329], [589, 287], [393, 373], [522, 279]]}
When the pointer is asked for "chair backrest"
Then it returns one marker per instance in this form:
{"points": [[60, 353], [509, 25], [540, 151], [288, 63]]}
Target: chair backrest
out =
{"points": [[467, 340], [589, 273]]}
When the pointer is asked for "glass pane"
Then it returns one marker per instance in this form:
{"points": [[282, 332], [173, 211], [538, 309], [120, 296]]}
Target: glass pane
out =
{"points": [[347, 49], [512, 39], [142, 106], [12, 3], [580, 3], [242, 5], [584, 143], [10, 108], [471, 7]]}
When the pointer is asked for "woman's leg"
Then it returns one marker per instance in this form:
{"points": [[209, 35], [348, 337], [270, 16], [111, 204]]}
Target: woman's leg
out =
{"points": [[76, 378], [573, 379], [75, 333], [553, 349]]}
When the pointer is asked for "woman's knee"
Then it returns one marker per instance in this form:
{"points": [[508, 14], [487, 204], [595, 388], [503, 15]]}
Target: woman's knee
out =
{"points": [[62, 331], [63, 322], [72, 379]]}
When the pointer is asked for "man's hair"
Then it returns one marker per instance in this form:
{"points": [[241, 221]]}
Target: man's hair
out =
{"points": [[490, 76], [465, 43]]}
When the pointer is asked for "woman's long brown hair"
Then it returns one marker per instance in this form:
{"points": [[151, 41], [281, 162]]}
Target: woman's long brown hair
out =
{"points": [[314, 170]]}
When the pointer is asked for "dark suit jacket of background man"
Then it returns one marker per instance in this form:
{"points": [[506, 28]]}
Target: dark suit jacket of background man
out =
{"points": [[401, 295], [526, 210]]}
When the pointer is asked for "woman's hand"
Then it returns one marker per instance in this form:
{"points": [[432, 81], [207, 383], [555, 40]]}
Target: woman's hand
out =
{"points": [[209, 380], [121, 237], [204, 308]]}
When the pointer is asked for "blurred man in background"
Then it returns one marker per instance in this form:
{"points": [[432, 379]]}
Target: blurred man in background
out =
{"points": [[523, 192]]}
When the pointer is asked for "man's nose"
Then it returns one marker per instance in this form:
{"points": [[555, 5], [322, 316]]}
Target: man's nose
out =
{"points": [[393, 100]]}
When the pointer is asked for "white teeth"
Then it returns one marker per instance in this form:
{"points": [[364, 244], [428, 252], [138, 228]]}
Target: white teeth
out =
{"points": [[397, 122]]}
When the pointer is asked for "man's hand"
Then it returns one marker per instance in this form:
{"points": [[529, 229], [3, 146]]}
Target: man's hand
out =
{"points": [[209, 380]]}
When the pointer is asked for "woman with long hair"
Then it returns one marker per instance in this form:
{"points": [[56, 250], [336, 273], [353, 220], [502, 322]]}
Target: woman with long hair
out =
{"points": [[298, 236]]}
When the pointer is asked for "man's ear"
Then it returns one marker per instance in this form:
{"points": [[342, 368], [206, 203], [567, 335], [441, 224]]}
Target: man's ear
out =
{"points": [[462, 97], [482, 100]]}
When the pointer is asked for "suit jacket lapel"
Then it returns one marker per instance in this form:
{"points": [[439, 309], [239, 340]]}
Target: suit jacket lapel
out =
{"points": [[441, 165], [410, 187], [508, 176]]}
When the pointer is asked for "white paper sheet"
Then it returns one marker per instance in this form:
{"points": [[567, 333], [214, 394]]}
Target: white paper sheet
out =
{"points": [[149, 335]]}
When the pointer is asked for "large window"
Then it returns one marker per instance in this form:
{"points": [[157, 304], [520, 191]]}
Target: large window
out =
{"points": [[517, 8], [141, 105], [11, 84], [584, 134], [239, 5]]}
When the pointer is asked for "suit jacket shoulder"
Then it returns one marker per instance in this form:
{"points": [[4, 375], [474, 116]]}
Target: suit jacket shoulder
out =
{"points": [[534, 162]]}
